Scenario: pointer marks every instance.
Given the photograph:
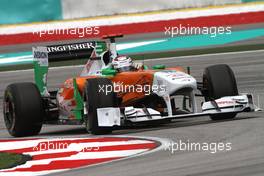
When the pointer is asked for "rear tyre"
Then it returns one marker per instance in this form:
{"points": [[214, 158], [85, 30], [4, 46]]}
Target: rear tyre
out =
{"points": [[23, 109], [219, 81], [97, 98]]}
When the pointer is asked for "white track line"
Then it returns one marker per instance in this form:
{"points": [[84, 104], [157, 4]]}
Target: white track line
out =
{"points": [[207, 55]]}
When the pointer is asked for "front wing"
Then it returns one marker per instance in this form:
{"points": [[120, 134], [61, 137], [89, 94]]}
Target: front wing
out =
{"points": [[108, 117]]}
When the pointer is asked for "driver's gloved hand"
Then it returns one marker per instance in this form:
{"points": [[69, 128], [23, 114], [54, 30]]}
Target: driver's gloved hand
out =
{"points": [[138, 65]]}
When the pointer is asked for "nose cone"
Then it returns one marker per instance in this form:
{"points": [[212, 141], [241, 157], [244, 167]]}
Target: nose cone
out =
{"points": [[169, 81]]}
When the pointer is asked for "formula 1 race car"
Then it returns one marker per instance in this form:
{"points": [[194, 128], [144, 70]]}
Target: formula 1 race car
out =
{"points": [[102, 97]]}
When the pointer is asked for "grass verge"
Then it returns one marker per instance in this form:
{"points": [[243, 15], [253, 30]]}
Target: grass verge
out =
{"points": [[9, 160]]}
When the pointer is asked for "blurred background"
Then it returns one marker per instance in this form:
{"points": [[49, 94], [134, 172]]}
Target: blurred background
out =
{"points": [[152, 29], [155, 26]]}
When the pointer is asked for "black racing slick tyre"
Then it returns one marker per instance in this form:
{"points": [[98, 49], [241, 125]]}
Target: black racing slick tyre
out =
{"points": [[219, 81], [97, 98], [23, 109]]}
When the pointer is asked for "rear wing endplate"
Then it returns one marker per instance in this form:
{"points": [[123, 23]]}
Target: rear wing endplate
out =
{"points": [[42, 55]]}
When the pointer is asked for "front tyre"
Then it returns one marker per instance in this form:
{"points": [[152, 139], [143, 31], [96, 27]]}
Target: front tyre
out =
{"points": [[219, 81], [23, 109], [97, 98]]}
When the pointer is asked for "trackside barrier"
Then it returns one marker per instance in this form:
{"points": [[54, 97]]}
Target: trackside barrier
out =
{"points": [[87, 8], [27, 11]]}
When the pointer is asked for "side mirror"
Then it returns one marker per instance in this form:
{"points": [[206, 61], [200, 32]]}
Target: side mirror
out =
{"points": [[145, 67], [109, 72], [159, 67]]}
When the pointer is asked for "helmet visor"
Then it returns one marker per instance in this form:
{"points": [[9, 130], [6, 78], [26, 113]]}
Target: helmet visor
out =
{"points": [[125, 69]]}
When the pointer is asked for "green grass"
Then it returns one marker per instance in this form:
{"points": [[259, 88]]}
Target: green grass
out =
{"points": [[151, 55], [8, 160]]}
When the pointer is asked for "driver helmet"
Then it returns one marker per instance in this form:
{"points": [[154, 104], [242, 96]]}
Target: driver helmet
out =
{"points": [[123, 63]]}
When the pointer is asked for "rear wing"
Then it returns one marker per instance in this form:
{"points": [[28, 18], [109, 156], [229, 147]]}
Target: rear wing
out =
{"points": [[56, 53]]}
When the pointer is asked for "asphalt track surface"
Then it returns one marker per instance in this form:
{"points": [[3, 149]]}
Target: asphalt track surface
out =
{"points": [[245, 133]]}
